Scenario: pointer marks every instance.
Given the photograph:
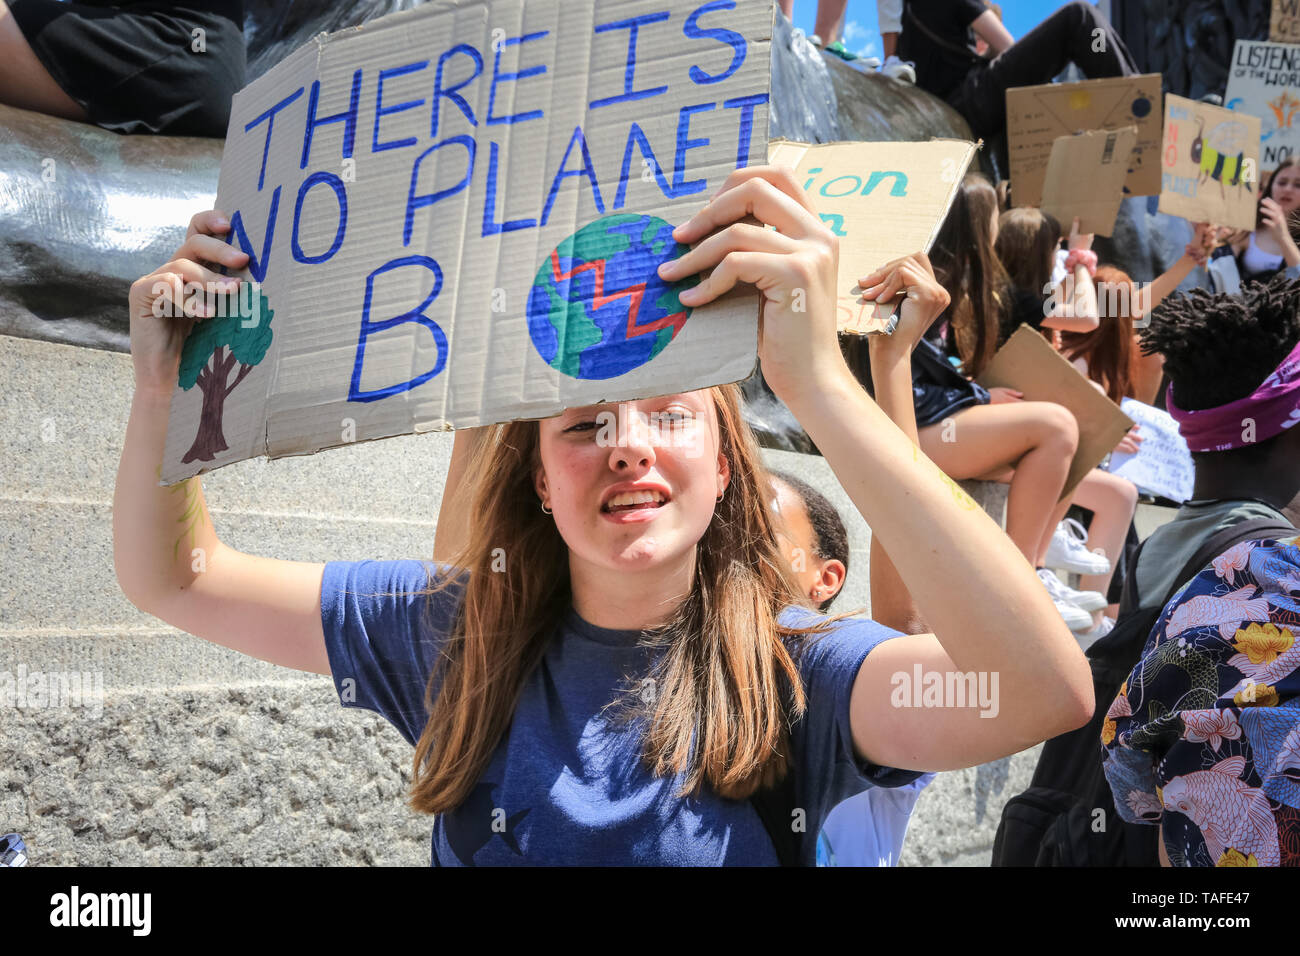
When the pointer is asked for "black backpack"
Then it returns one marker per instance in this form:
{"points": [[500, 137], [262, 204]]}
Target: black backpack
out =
{"points": [[1067, 816]]}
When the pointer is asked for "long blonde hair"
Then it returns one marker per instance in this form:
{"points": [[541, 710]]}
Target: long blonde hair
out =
{"points": [[727, 687]]}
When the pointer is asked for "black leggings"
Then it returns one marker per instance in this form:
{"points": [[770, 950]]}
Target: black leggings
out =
{"points": [[1067, 36]]}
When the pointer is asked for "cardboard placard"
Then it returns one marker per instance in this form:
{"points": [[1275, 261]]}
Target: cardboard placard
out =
{"points": [[1027, 363], [1163, 465], [1038, 115], [1085, 178], [1210, 163], [1265, 82], [1284, 21], [456, 214], [883, 201]]}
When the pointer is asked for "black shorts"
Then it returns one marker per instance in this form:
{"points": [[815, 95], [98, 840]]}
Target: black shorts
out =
{"points": [[134, 68]]}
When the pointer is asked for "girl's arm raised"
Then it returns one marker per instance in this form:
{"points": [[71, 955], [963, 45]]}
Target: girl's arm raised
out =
{"points": [[168, 559], [990, 614]]}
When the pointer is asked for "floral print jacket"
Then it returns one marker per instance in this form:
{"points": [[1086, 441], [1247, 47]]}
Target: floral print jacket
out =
{"points": [[1204, 736]]}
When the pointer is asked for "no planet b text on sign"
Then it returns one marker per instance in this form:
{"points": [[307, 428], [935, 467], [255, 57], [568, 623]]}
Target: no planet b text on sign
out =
{"points": [[455, 214]]}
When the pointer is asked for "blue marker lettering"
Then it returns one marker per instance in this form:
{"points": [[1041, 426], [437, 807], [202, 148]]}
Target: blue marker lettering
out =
{"points": [[632, 25], [414, 202], [348, 118], [728, 37], [381, 110], [681, 188], [499, 77], [746, 106], [635, 135], [369, 328], [255, 266], [490, 226], [269, 116], [453, 92], [587, 170], [340, 193]]}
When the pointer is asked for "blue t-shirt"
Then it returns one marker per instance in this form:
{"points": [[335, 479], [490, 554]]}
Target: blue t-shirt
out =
{"points": [[566, 784]]}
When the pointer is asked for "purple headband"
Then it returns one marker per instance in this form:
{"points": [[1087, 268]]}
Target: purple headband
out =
{"points": [[1273, 407]]}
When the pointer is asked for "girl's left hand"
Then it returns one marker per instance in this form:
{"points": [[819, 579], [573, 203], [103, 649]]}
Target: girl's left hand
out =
{"points": [[795, 266], [924, 302], [1129, 444], [1079, 240]]}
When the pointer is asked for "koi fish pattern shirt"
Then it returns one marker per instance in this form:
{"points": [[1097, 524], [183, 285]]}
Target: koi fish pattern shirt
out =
{"points": [[1204, 736]]}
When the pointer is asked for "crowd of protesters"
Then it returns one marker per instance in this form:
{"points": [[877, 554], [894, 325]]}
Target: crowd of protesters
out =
{"points": [[667, 696]]}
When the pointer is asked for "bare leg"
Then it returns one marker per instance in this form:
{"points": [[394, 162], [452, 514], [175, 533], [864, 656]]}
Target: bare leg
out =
{"points": [[1049, 529], [24, 81], [787, 7], [889, 44], [829, 14], [1112, 501], [1039, 438]]}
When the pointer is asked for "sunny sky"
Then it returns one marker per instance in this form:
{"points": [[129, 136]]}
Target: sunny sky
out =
{"points": [[862, 36]]}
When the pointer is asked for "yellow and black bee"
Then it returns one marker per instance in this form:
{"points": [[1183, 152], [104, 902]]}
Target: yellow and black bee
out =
{"points": [[1216, 159]]}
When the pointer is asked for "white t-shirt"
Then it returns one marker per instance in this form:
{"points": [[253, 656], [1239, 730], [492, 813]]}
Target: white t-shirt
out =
{"points": [[868, 828]]}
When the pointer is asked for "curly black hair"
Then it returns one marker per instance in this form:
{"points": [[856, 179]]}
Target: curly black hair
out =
{"points": [[1219, 348]]}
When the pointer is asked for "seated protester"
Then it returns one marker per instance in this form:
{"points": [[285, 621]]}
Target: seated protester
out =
{"points": [[1234, 804], [1234, 369], [130, 66], [937, 37], [608, 648], [1029, 444], [812, 537], [1202, 738], [866, 829], [1026, 244], [1272, 246]]}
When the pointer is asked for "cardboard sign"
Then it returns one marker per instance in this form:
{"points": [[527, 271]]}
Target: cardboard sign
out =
{"points": [[456, 215], [1265, 82], [1038, 115], [1163, 465], [1284, 21], [1027, 363], [1210, 162], [883, 201], [1085, 178]]}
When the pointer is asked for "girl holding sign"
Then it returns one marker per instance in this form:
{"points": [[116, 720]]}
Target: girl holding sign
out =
{"points": [[614, 668]]}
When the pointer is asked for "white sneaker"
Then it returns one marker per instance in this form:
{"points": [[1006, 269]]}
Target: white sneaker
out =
{"points": [[1087, 600], [1097, 633], [1075, 617], [897, 69], [1069, 551]]}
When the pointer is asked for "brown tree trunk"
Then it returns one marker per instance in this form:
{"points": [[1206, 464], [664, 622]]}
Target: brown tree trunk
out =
{"points": [[211, 440]]}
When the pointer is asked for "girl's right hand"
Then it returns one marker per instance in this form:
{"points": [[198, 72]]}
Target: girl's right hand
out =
{"points": [[1002, 395], [1079, 240], [163, 310], [1275, 224]]}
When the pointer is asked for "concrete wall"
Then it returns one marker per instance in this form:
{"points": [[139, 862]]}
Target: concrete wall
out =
{"points": [[198, 754]]}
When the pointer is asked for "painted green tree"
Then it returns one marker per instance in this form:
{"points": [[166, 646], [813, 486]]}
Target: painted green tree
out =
{"points": [[211, 351]]}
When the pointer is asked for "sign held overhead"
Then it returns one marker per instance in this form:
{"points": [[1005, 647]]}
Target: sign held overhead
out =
{"points": [[1265, 82], [454, 216], [1037, 115], [883, 201], [1210, 160], [1085, 178]]}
